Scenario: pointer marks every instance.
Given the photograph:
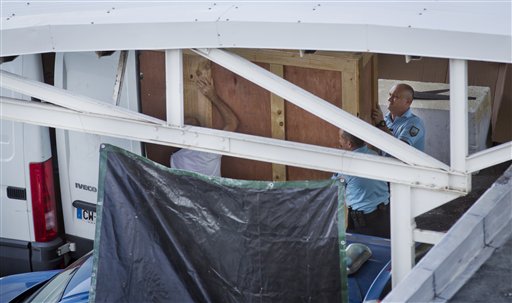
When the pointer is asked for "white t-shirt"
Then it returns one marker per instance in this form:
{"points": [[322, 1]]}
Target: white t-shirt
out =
{"points": [[197, 161]]}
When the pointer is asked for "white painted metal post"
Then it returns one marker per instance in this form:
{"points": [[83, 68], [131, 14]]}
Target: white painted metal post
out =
{"points": [[402, 228], [174, 87], [458, 114]]}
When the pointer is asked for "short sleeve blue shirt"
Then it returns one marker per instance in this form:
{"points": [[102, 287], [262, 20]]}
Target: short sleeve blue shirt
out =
{"points": [[408, 128], [364, 194]]}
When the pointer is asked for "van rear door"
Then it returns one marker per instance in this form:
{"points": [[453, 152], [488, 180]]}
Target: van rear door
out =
{"points": [[94, 76], [29, 235]]}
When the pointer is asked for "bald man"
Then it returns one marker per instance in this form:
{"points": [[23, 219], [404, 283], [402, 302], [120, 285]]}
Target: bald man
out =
{"points": [[400, 121]]}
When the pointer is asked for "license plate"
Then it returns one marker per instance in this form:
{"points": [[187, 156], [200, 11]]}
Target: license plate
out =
{"points": [[88, 216]]}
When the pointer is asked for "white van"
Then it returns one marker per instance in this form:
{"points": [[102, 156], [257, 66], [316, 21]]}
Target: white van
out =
{"points": [[29, 229], [30, 236]]}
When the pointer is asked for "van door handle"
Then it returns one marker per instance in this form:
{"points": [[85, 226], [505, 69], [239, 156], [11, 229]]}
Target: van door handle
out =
{"points": [[17, 193], [84, 205]]}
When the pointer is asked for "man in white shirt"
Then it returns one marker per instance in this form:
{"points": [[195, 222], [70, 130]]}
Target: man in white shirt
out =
{"points": [[197, 161]]}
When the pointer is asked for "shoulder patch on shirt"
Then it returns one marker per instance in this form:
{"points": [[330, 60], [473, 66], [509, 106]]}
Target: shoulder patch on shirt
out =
{"points": [[414, 131]]}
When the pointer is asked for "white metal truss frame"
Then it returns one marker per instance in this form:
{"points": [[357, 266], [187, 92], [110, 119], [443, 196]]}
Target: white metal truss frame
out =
{"points": [[416, 187], [233, 144]]}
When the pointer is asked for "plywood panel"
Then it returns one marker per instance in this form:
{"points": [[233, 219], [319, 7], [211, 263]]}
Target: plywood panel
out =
{"points": [[251, 105], [304, 127], [344, 79]]}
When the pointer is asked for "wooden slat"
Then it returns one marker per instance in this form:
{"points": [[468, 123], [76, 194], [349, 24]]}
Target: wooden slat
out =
{"points": [[367, 93], [196, 105], [320, 60], [375, 79], [350, 90], [278, 121]]}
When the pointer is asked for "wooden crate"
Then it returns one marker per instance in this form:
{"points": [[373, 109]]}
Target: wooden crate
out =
{"points": [[347, 80]]}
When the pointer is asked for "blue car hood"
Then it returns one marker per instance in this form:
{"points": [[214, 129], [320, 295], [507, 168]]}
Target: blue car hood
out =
{"points": [[13, 286]]}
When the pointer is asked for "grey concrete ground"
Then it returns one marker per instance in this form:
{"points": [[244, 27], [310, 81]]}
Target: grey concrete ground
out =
{"points": [[493, 280]]}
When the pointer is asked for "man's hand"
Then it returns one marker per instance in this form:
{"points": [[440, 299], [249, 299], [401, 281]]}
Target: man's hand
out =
{"points": [[204, 80], [205, 86], [377, 115]]}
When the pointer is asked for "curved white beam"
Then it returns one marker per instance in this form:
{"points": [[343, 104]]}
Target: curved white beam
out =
{"points": [[476, 31]]}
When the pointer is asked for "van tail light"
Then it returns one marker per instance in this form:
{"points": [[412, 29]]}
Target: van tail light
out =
{"points": [[44, 210]]}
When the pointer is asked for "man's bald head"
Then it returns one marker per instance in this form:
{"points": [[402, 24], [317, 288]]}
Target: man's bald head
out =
{"points": [[400, 99]]}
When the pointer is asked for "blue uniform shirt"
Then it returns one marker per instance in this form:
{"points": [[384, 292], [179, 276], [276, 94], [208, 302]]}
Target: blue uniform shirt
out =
{"points": [[364, 194], [408, 128]]}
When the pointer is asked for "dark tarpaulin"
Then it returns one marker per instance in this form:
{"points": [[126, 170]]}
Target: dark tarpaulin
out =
{"points": [[165, 235]]}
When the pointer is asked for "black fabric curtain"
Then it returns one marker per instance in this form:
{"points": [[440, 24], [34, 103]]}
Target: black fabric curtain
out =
{"points": [[166, 235]]}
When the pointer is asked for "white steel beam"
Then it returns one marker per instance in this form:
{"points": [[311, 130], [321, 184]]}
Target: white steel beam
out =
{"points": [[458, 114], [66, 98], [489, 157], [236, 144], [402, 226], [424, 200], [320, 108], [174, 87], [428, 236]]}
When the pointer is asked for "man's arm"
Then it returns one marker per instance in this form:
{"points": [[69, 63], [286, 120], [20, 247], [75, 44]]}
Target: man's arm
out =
{"points": [[204, 82]]}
